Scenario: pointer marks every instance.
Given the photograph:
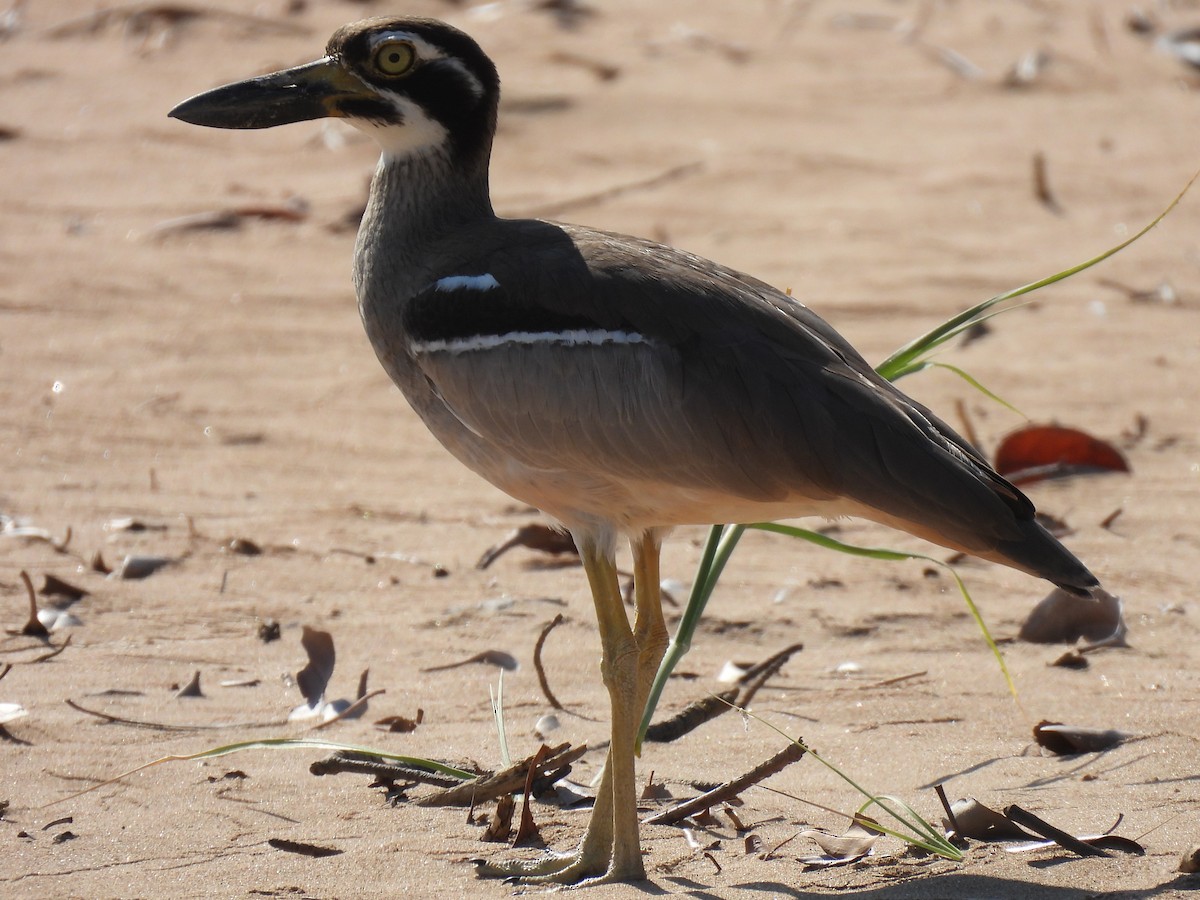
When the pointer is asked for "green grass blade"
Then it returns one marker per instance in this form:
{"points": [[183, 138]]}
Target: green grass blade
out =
{"points": [[824, 540], [922, 833], [281, 744], [918, 347]]}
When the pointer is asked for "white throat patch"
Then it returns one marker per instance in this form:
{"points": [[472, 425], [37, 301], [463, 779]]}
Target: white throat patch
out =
{"points": [[418, 135]]}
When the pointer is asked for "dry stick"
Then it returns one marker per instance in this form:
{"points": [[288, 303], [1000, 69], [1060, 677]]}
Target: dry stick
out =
{"points": [[488, 787], [164, 726], [697, 713], [1041, 185], [1021, 816], [781, 760], [33, 627], [950, 817], [537, 662], [363, 764]]}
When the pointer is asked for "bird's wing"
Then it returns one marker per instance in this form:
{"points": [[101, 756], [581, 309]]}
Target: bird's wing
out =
{"points": [[592, 352]]}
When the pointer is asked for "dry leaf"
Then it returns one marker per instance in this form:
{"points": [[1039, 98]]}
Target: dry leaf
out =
{"points": [[839, 850], [400, 724], [1066, 740], [192, 688], [53, 586], [982, 823], [542, 538], [1038, 452], [1063, 618]]}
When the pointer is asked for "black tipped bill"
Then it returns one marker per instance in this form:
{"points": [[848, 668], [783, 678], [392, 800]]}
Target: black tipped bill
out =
{"points": [[310, 91]]}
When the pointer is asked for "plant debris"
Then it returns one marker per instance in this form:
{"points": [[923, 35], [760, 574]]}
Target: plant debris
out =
{"points": [[791, 752], [302, 848], [541, 538], [1066, 740], [695, 714], [192, 688], [400, 724], [555, 764], [1039, 452], [497, 658], [537, 660], [840, 850], [1063, 618]]}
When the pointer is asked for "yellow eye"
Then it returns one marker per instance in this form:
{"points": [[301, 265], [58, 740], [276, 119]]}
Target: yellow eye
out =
{"points": [[395, 57]]}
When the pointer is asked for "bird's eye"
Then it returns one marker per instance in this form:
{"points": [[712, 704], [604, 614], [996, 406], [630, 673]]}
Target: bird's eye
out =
{"points": [[395, 57]]}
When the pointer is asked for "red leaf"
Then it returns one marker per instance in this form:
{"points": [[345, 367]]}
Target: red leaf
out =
{"points": [[1037, 452]]}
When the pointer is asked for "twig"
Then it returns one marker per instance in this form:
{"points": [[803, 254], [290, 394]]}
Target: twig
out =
{"points": [[696, 714], [781, 760], [164, 726], [1041, 185], [488, 787], [692, 717], [950, 817], [33, 627], [53, 653], [537, 661], [365, 764]]}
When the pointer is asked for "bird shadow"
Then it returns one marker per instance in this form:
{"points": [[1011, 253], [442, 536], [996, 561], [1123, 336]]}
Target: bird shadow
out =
{"points": [[949, 885]]}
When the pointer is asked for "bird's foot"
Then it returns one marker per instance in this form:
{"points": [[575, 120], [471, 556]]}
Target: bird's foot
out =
{"points": [[578, 869]]}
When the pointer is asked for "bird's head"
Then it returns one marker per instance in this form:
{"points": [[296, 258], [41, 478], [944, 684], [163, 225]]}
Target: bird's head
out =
{"points": [[415, 85]]}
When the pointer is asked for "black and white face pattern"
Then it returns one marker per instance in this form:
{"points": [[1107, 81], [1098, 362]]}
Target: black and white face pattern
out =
{"points": [[431, 86]]}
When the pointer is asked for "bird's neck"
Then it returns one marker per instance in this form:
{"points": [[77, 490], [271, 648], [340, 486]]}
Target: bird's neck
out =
{"points": [[416, 203]]}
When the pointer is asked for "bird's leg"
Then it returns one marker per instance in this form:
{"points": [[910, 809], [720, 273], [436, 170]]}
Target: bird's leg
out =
{"points": [[610, 850], [649, 629]]}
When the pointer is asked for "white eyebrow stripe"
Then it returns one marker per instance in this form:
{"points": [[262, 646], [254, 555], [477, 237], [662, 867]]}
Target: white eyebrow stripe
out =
{"points": [[484, 282], [573, 338]]}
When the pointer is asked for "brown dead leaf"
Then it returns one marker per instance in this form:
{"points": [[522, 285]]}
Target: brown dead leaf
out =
{"points": [[314, 677], [500, 825], [192, 688], [1038, 452], [53, 586], [1066, 740], [400, 724], [1063, 618], [541, 538]]}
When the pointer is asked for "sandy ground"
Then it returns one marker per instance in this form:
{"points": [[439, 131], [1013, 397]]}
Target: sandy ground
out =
{"points": [[215, 384]]}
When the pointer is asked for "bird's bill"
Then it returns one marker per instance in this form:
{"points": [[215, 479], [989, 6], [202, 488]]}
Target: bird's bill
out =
{"points": [[314, 90]]}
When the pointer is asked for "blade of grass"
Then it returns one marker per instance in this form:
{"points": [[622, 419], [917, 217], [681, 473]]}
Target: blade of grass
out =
{"points": [[278, 744], [920, 346], [497, 699], [717, 550], [824, 540], [923, 834]]}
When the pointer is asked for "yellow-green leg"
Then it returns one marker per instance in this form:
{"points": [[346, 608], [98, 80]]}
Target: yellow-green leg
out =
{"points": [[611, 850]]}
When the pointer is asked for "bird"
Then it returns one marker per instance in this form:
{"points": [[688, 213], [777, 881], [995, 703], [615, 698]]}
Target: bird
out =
{"points": [[619, 385]]}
